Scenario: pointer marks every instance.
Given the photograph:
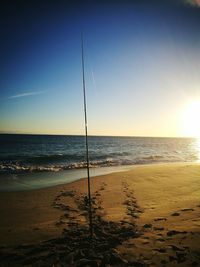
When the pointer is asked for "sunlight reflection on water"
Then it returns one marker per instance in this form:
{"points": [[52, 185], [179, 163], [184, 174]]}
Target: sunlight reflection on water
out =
{"points": [[198, 149]]}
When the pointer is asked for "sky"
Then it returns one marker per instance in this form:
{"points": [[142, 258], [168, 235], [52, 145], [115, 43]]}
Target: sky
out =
{"points": [[142, 65]]}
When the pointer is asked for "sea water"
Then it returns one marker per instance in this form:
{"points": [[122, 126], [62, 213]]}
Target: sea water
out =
{"points": [[36, 161]]}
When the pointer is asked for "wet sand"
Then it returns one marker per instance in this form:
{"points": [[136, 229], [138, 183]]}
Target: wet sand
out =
{"points": [[148, 216]]}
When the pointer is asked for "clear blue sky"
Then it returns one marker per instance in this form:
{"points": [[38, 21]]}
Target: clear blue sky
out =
{"points": [[142, 66]]}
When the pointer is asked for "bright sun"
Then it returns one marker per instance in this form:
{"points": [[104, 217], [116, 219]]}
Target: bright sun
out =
{"points": [[191, 119]]}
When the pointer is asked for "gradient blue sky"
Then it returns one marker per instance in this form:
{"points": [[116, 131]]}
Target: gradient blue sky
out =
{"points": [[142, 66]]}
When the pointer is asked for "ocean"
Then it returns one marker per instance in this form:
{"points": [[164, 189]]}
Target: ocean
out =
{"points": [[35, 161]]}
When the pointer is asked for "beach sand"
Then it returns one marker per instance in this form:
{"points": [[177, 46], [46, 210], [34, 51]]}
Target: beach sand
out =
{"points": [[147, 216]]}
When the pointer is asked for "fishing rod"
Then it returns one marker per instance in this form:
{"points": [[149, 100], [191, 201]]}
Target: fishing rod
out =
{"points": [[86, 140]]}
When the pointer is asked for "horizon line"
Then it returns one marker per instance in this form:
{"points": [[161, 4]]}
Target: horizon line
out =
{"points": [[95, 135]]}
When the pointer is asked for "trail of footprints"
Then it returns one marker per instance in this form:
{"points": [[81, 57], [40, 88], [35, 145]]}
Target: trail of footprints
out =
{"points": [[78, 211], [132, 208], [107, 234], [74, 248], [69, 213], [177, 253], [78, 214], [170, 244], [174, 249]]}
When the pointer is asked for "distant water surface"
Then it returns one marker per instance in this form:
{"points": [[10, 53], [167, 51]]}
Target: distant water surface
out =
{"points": [[31, 154]]}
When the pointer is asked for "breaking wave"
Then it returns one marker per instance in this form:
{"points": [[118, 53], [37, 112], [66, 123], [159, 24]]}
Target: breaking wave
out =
{"points": [[38, 153], [19, 167]]}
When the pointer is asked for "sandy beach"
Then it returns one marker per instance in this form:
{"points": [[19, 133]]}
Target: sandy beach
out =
{"points": [[147, 216]]}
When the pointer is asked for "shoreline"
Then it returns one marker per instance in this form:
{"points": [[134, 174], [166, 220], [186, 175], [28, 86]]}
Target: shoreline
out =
{"points": [[34, 181], [159, 204]]}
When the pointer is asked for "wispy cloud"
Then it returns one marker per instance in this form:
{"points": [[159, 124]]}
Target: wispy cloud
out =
{"points": [[26, 94]]}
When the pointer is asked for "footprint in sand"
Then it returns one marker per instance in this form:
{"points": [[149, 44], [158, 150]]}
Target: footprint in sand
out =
{"points": [[188, 209], [103, 187], [160, 219], [175, 232], [175, 248], [147, 226], [158, 228], [67, 194], [175, 214]]}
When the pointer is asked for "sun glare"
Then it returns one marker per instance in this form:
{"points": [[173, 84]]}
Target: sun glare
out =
{"points": [[198, 148], [191, 119]]}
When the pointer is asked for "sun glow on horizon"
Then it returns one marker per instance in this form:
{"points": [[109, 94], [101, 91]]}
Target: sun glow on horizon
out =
{"points": [[191, 125]]}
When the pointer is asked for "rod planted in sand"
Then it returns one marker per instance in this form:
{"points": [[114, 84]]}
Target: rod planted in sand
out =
{"points": [[86, 141]]}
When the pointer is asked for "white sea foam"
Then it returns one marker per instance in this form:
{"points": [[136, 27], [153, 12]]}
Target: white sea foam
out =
{"points": [[33, 154]]}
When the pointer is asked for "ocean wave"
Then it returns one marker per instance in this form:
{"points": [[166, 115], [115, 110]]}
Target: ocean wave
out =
{"points": [[59, 158], [19, 167], [34, 153], [11, 168]]}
